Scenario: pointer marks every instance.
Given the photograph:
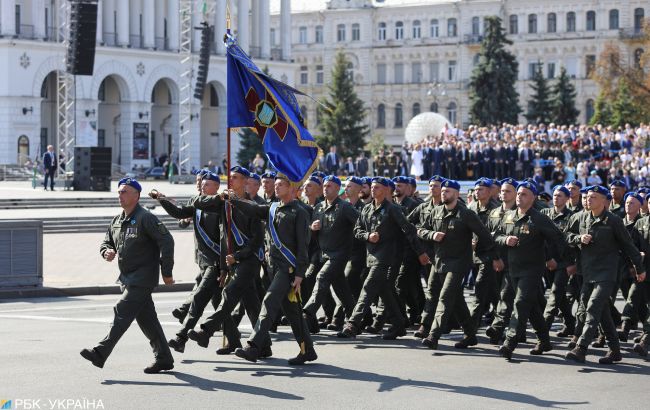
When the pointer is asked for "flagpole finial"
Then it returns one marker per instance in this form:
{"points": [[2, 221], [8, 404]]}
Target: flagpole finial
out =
{"points": [[228, 20]]}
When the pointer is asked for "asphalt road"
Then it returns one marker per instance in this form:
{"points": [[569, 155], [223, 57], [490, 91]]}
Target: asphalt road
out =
{"points": [[41, 339]]}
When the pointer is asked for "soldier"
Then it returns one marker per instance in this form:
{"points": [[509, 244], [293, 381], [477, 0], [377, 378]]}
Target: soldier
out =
{"points": [[268, 183], [644, 194], [617, 190], [601, 235], [558, 304], [378, 225], [392, 163], [313, 191], [451, 226], [253, 185], [435, 186], [525, 231], [575, 202], [288, 231], [332, 224], [144, 247]]}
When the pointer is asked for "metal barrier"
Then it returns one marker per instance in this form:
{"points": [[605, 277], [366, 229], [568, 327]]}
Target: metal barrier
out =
{"points": [[21, 253]]}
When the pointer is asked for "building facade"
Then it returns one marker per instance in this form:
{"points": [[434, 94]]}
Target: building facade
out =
{"points": [[134, 89], [412, 56]]}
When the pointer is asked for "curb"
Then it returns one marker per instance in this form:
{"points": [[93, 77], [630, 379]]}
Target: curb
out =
{"points": [[50, 292]]}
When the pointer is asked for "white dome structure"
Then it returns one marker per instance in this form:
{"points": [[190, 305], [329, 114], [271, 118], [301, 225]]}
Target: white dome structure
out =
{"points": [[423, 125]]}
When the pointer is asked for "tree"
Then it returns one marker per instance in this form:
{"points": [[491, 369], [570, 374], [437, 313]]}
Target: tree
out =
{"points": [[564, 100], [602, 111], [624, 110], [540, 108], [375, 144], [251, 145], [493, 97], [343, 122]]}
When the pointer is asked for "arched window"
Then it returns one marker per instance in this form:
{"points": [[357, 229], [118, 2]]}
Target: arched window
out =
{"points": [[416, 109], [381, 31], [399, 116], [589, 109], [417, 32], [435, 28], [591, 20], [570, 22], [451, 112], [452, 28], [350, 71], [638, 55], [23, 149], [381, 116], [638, 19], [399, 30], [532, 23], [551, 23], [475, 26], [318, 34], [513, 24], [613, 19], [433, 107], [214, 97]]}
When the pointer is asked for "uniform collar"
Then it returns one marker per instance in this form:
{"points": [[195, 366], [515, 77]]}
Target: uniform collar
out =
{"points": [[333, 204], [136, 211]]}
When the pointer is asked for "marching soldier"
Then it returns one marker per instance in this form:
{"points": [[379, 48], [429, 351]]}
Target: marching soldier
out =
{"points": [[617, 190], [253, 185], [268, 182], [575, 199]]}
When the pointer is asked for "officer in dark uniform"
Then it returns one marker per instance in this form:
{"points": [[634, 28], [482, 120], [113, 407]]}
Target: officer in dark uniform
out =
{"points": [[601, 235], [287, 237], [331, 224], [392, 164], [525, 232], [617, 189], [575, 199], [557, 303], [268, 181], [378, 225], [253, 185], [144, 248], [450, 227]]}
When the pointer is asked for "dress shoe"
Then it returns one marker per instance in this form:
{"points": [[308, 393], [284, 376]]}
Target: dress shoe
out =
{"points": [[309, 356], [578, 354], [179, 314], [541, 347], [178, 343], [157, 367], [506, 352], [466, 342], [250, 353], [394, 332], [92, 356], [201, 337], [612, 356], [431, 342], [349, 331]]}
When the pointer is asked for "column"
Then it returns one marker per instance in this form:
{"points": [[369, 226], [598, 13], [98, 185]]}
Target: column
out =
{"points": [[265, 29], [159, 25], [134, 23], [285, 29], [8, 18], [220, 26], [109, 23], [255, 27], [243, 24], [38, 18], [148, 19], [100, 22], [123, 23], [173, 24]]}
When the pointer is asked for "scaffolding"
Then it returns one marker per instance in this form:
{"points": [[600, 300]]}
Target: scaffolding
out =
{"points": [[65, 95], [185, 86]]}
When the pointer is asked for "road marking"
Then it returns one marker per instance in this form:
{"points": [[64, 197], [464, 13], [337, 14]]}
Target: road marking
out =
{"points": [[72, 307]]}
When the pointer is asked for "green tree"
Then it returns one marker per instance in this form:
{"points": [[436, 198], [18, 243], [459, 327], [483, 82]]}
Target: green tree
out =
{"points": [[250, 145], [602, 111], [624, 109], [342, 123], [493, 97], [564, 100], [375, 144], [539, 106]]}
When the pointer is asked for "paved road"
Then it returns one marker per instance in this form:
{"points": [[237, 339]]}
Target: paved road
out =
{"points": [[41, 339]]}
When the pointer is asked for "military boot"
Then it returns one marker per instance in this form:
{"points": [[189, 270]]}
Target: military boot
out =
{"points": [[466, 342], [230, 348], [624, 333], [202, 338], [349, 331], [506, 352], [578, 354], [612, 356], [541, 347], [178, 343], [421, 333], [309, 356], [431, 342], [494, 335], [250, 353], [179, 314], [394, 332], [573, 342], [641, 348], [566, 331], [600, 342]]}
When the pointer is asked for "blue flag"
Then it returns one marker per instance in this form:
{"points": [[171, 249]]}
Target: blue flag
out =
{"points": [[258, 101]]}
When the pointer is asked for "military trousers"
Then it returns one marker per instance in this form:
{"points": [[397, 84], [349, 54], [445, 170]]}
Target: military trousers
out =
{"points": [[200, 297], [216, 298], [597, 312], [527, 306], [377, 283], [431, 296], [452, 302], [485, 288], [503, 312], [332, 274], [355, 271], [136, 304], [409, 286], [558, 303], [636, 305]]}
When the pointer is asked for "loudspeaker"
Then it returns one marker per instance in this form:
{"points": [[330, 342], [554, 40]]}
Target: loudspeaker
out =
{"points": [[83, 33], [92, 168]]}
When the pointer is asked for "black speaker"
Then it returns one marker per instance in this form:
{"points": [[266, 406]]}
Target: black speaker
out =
{"points": [[92, 168], [83, 32], [204, 60]]}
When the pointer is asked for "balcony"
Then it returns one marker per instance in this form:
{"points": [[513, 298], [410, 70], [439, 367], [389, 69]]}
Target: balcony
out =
{"points": [[630, 33], [135, 41], [110, 39], [473, 39]]}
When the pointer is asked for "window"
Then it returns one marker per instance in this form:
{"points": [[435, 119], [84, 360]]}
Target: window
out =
{"points": [[433, 107], [590, 64], [475, 26], [591, 20], [613, 19], [416, 72], [381, 116], [399, 73], [17, 19], [302, 35], [101, 94], [451, 112], [356, 32], [550, 70], [399, 116], [416, 109], [589, 110], [101, 138], [320, 77], [434, 71], [340, 33], [514, 24], [434, 28], [570, 22], [638, 55], [214, 97], [638, 20], [532, 23], [417, 33], [318, 34], [381, 31], [452, 28], [399, 30], [304, 74], [551, 23], [350, 71], [381, 73], [451, 71], [572, 67], [533, 68]]}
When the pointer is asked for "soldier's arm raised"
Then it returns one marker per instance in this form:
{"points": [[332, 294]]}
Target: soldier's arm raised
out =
{"points": [[175, 211], [252, 207], [210, 203]]}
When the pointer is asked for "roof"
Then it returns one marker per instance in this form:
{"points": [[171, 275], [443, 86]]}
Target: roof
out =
{"points": [[303, 6]]}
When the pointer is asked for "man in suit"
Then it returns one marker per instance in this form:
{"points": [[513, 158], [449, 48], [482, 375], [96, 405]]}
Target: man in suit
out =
{"points": [[526, 158], [361, 165], [332, 161], [463, 158], [49, 166]]}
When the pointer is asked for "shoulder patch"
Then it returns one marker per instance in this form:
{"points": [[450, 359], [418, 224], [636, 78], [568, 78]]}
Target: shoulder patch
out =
{"points": [[162, 228]]}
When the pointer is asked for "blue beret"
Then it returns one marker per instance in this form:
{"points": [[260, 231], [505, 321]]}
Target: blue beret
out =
{"points": [[318, 174], [314, 179], [356, 180], [211, 176], [241, 170], [598, 189], [643, 190], [450, 183], [545, 196], [269, 175], [562, 189], [437, 178], [496, 182], [618, 182], [486, 182], [413, 182], [529, 186], [130, 182], [256, 176], [383, 181], [401, 179], [634, 195], [367, 180], [509, 181], [574, 182], [332, 178]]}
